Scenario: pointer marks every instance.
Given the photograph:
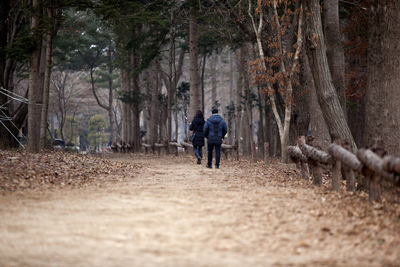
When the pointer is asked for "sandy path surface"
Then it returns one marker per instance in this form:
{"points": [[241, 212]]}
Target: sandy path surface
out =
{"points": [[175, 213]]}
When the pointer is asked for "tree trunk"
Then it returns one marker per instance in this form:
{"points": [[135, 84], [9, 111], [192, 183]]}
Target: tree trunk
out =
{"points": [[135, 109], [231, 124], [239, 92], [110, 109], [34, 110], [248, 109], [154, 105], [318, 128], [335, 52], [194, 68], [124, 115], [203, 68], [46, 90], [382, 114], [326, 92], [213, 69]]}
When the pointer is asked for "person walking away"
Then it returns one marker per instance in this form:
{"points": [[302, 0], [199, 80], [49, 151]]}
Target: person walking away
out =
{"points": [[197, 126], [214, 130]]}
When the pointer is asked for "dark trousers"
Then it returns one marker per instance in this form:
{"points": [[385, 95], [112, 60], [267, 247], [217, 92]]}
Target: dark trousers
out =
{"points": [[210, 148], [198, 151]]}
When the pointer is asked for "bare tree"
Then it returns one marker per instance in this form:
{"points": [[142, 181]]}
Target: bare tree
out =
{"points": [[66, 96]]}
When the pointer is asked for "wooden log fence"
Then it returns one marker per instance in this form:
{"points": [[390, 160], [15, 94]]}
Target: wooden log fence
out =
{"points": [[230, 149], [121, 147], [367, 162], [300, 159], [175, 145]]}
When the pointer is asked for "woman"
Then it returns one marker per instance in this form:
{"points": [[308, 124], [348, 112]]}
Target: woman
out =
{"points": [[198, 142]]}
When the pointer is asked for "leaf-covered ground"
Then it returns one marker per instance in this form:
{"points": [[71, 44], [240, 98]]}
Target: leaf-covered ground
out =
{"points": [[29, 171], [140, 210]]}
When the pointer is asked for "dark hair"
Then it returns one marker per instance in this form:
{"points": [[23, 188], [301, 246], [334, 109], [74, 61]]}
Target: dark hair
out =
{"points": [[214, 110], [199, 114]]}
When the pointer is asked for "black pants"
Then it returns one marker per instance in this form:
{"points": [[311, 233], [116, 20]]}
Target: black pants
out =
{"points": [[210, 148]]}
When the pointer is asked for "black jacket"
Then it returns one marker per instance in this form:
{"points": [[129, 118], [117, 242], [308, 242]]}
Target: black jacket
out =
{"points": [[197, 127]]}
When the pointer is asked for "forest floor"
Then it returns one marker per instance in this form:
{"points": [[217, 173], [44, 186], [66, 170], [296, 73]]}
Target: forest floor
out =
{"points": [[141, 210]]}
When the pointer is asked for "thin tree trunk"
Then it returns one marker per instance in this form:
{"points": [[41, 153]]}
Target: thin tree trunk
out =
{"points": [[213, 69], [238, 103], [154, 105], [171, 63], [194, 68], [124, 115], [203, 68], [46, 90], [110, 109], [135, 126]]}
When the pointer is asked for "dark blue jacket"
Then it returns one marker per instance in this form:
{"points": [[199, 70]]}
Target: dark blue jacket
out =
{"points": [[197, 127], [215, 129]]}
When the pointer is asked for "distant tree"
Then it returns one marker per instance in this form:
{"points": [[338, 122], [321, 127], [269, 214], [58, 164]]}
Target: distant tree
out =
{"points": [[278, 84], [66, 96], [96, 135], [183, 97], [71, 130]]}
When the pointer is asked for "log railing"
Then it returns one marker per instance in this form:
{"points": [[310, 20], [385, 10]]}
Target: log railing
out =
{"points": [[121, 147], [230, 150], [175, 146], [369, 164]]}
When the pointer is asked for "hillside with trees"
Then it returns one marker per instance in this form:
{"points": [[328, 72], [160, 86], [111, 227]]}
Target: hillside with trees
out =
{"points": [[98, 100], [270, 66]]}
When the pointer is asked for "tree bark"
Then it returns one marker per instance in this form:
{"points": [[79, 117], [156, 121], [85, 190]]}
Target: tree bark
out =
{"points": [[335, 52], [238, 103], [345, 156], [124, 115], [382, 110], [134, 138], [110, 109], [194, 68], [154, 105], [213, 69], [326, 92], [46, 90], [34, 109], [318, 128], [316, 154]]}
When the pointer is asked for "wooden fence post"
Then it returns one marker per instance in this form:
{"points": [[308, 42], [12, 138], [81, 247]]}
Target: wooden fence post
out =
{"points": [[349, 173], [315, 158], [301, 161], [375, 171]]}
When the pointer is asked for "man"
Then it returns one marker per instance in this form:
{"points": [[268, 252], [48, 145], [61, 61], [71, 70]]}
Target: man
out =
{"points": [[214, 130]]}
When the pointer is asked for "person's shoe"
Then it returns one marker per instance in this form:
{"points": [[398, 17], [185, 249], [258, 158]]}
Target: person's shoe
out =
{"points": [[216, 166], [199, 161], [209, 166]]}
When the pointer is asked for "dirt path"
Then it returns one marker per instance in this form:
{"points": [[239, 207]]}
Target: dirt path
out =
{"points": [[175, 213]]}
